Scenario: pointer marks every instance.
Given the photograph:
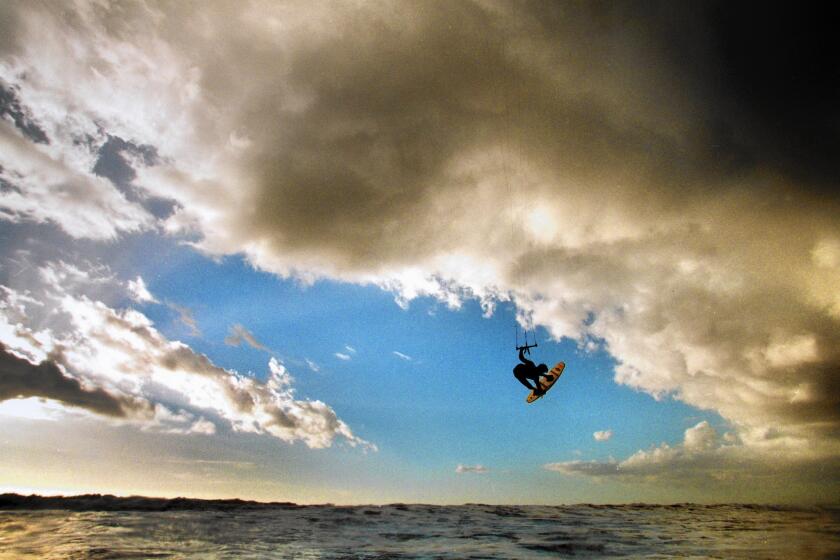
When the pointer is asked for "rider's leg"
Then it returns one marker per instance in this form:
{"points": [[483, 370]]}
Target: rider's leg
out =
{"points": [[524, 380]]}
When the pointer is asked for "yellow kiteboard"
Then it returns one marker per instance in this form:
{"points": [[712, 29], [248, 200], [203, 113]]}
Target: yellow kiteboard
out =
{"points": [[556, 371]]}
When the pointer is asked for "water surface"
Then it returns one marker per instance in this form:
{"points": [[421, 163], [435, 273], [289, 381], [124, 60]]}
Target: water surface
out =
{"points": [[420, 531]]}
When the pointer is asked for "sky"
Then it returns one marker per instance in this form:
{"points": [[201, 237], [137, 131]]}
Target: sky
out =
{"points": [[283, 250]]}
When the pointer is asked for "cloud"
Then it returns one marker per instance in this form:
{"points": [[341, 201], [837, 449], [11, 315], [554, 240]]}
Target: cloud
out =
{"points": [[186, 317], [115, 157], [120, 351], [20, 379], [181, 422], [402, 356], [214, 463], [50, 182], [67, 276], [474, 469], [202, 426], [699, 453], [683, 215], [313, 366], [705, 456], [700, 437], [11, 108], [139, 292], [343, 357], [239, 334], [591, 468], [604, 435]]}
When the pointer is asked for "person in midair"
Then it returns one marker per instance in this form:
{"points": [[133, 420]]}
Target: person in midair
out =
{"points": [[528, 370]]}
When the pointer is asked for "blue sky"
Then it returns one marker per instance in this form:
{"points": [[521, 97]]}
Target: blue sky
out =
{"points": [[280, 251], [447, 399], [450, 400], [457, 386]]}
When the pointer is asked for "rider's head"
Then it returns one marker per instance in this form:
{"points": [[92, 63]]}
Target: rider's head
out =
{"points": [[542, 368]]}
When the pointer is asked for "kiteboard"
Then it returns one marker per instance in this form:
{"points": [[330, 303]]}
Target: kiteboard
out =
{"points": [[556, 371]]}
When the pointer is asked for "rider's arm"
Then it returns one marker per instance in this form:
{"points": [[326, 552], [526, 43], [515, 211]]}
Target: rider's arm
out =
{"points": [[523, 359]]}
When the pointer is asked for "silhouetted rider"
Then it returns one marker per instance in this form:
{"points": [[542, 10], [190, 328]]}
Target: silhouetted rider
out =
{"points": [[528, 370]]}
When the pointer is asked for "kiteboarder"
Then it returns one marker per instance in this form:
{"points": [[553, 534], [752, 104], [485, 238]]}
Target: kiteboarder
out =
{"points": [[528, 370]]}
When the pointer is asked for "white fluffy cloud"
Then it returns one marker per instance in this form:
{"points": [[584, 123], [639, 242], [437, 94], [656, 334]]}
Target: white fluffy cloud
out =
{"points": [[450, 151], [139, 292], [603, 435], [124, 359]]}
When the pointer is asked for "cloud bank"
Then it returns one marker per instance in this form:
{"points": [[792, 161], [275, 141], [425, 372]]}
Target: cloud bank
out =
{"points": [[706, 459], [126, 363], [642, 177]]}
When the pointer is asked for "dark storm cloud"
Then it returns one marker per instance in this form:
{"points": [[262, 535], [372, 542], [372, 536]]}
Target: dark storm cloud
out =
{"points": [[761, 79], [653, 105], [9, 27], [355, 115], [20, 378], [391, 103], [776, 78], [389, 106]]}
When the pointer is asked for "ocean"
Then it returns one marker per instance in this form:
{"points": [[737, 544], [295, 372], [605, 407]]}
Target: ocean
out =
{"points": [[421, 531]]}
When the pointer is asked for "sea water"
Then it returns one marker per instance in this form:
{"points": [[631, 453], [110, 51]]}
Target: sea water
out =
{"points": [[423, 531]]}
